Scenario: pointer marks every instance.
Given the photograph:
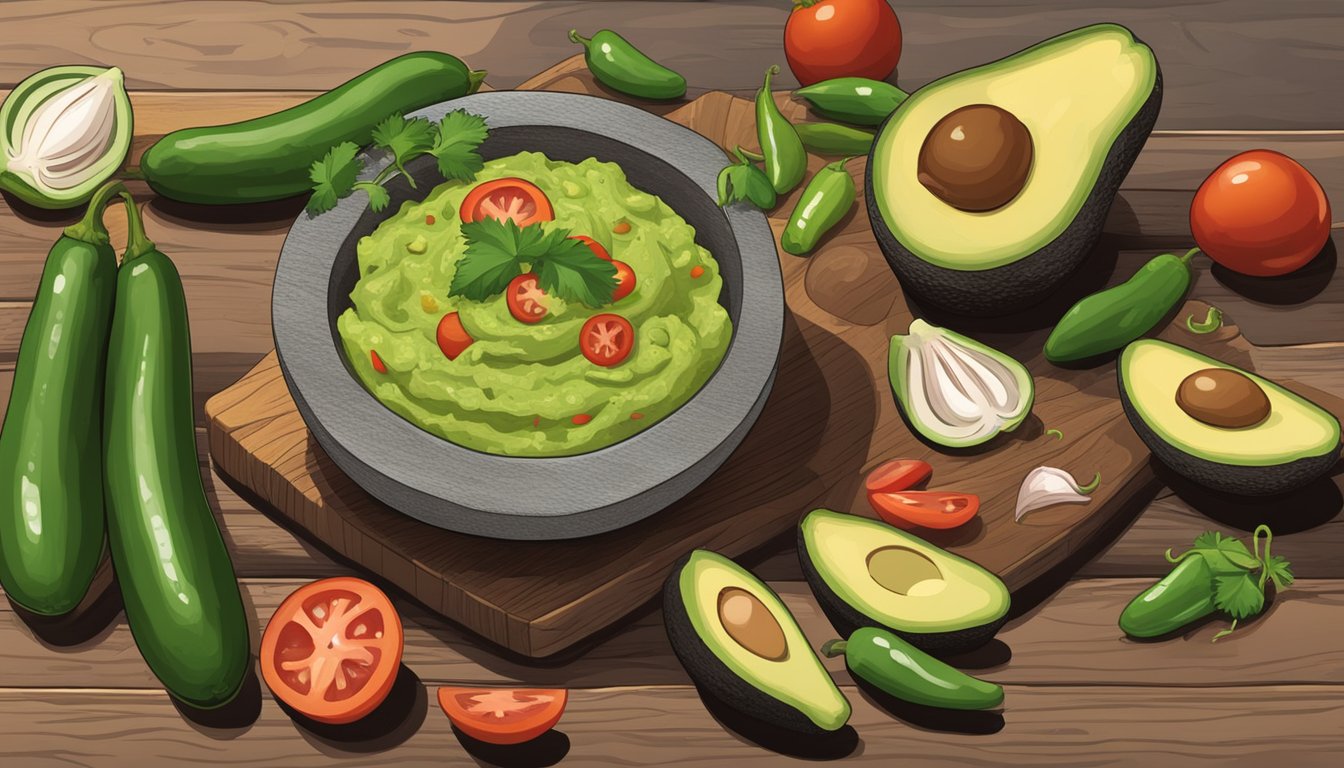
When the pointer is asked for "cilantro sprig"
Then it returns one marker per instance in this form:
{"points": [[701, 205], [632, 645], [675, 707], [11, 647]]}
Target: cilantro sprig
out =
{"points": [[1237, 589], [742, 181], [498, 251], [453, 142]]}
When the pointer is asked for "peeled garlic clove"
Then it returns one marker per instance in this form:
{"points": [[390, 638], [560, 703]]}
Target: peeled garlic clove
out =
{"points": [[1047, 486], [67, 130]]}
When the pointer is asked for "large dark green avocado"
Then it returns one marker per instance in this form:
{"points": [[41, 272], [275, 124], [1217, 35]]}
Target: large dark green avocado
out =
{"points": [[1088, 99]]}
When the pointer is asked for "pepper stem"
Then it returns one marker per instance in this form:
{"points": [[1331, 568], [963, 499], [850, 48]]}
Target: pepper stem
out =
{"points": [[1190, 254], [137, 244], [89, 228], [1092, 486], [833, 648], [839, 165], [474, 79], [746, 155], [575, 37]]}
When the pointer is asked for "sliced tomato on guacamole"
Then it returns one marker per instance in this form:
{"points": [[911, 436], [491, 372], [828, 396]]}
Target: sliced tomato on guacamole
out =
{"points": [[607, 339], [527, 302], [508, 199], [452, 336], [503, 716]]}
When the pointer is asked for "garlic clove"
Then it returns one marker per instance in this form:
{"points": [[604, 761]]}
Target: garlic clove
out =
{"points": [[1048, 486]]}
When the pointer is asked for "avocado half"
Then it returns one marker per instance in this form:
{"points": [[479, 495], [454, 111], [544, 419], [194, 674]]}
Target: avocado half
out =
{"points": [[1089, 99], [1297, 443], [788, 688], [866, 573]]}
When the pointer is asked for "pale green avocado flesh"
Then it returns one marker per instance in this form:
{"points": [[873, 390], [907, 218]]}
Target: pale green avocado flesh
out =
{"points": [[1075, 93]]}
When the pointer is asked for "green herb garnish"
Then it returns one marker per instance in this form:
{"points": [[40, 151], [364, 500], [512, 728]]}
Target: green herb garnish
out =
{"points": [[1237, 589], [498, 251], [744, 182]]}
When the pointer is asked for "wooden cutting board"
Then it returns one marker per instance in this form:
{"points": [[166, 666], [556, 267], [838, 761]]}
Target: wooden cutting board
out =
{"points": [[830, 419]]}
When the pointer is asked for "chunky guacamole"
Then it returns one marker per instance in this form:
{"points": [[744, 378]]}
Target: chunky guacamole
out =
{"points": [[526, 387]]}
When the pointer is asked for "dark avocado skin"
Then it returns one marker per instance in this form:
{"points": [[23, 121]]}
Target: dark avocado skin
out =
{"points": [[1228, 478], [713, 675], [845, 618], [1023, 283]]}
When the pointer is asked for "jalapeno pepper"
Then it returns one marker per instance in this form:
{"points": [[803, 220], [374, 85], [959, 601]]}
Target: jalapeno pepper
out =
{"points": [[902, 670], [834, 139], [827, 198], [1110, 319], [855, 100], [1182, 596], [618, 64], [785, 157]]}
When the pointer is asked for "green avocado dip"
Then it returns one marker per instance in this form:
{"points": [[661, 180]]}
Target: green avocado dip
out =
{"points": [[527, 388]]}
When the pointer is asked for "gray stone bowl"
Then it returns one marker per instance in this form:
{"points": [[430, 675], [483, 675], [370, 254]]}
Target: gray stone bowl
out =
{"points": [[446, 485]]}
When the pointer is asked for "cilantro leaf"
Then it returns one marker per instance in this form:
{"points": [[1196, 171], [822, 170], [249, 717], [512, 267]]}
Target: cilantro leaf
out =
{"points": [[378, 195], [570, 270], [1279, 572], [498, 250], [460, 135], [490, 260], [405, 139], [1207, 540], [334, 176], [744, 182], [1225, 554], [1238, 596]]}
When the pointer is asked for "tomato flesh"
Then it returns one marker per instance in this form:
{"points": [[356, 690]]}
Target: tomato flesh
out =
{"points": [[842, 38], [1261, 214], [452, 336], [925, 509], [625, 281], [607, 339], [527, 302], [508, 199], [332, 650], [897, 475], [502, 716]]}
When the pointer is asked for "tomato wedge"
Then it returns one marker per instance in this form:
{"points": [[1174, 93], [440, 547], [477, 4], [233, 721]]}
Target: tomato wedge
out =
{"points": [[508, 199], [625, 281], [452, 336], [607, 339], [332, 649], [594, 246], [897, 475], [527, 302], [502, 716], [925, 509]]}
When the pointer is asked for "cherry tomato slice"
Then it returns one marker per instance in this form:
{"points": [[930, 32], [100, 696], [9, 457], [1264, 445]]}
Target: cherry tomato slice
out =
{"points": [[452, 336], [593, 245], [925, 509], [501, 716], [508, 199], [527, 302], [897, 475], [607, 339], [332, 650], [625, 281]]}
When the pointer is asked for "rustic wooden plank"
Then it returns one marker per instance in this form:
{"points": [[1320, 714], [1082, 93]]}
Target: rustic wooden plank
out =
{"points": [[1295, 725], [1237, 64]]}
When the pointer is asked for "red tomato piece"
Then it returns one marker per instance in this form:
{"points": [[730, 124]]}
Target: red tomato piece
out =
{"points": [[594, 246], [580, 419], [625, 281], [842, 38], [452, 336], [897, 475], [378, 364], [925, 509], [621, 228], [501, 716], [1261, 213], [607, 339], [429, 219], [332, 650], [697, 271], [509, 199], [527, 302]]}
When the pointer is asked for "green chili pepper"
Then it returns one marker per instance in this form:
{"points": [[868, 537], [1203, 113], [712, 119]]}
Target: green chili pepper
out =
{"points": [[620, 65], [855, 100], [785, 156], [909, 674], [833, 139], [825, 201], [1110, 319], [1182, 596], [744, 181]]}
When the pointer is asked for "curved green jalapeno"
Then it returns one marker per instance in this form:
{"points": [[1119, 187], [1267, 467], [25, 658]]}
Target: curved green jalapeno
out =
{"points": [[619, 65], [785, 156], [902, 670], [1110, 319], [828, 197], [1182, 596], [833, 139], [855, 100]]}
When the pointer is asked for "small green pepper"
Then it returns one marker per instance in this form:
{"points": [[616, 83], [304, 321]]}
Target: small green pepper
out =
{"points": [[785, 156], [855, 100], [743, 181], [833, 139], [1110, 319], [902, 670], [825, 201], [1182, 596], [619, 65]]}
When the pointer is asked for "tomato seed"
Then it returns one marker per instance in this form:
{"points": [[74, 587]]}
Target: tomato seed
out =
{"points": [[697, 271], [581, 419]]}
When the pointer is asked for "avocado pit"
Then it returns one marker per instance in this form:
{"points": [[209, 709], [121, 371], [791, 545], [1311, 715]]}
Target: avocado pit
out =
{"points": [[1221, 397], [905, 572], [746, 619], [976, 158]]}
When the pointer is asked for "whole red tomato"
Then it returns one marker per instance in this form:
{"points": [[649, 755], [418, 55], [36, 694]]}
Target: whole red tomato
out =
{"points": [[1261, 214], [842, 38]]}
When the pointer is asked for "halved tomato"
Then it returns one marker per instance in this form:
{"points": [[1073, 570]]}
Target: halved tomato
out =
{"points": [[925, 509], [607, 339], [452, 336], [332, 649], [527, 302], [625, 281], [897, 475], [509, 199], [502, 716], [594, 246]]}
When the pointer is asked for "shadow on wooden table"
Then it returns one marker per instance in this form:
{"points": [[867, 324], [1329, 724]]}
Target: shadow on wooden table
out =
{"points": [[547, 749], [1293, 288], [825, 746], [87, 625], [1293, 512], [973, 722], [231, 720]]}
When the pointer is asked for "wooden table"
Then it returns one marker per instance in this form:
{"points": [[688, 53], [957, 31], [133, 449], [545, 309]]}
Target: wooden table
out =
{"points": [[1238, 74]]}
